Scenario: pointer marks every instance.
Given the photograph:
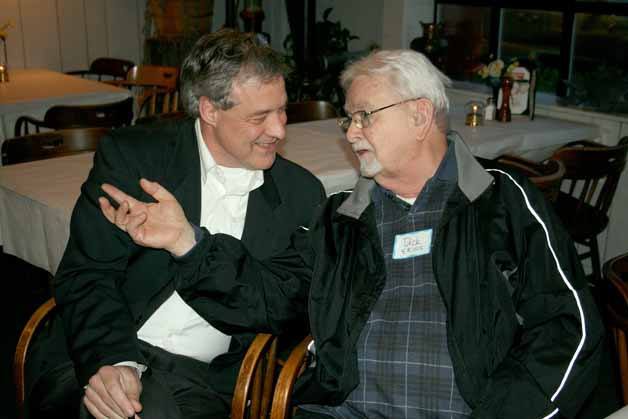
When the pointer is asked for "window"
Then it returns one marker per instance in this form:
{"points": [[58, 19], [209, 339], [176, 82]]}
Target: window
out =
{"points": [[578, 47]]}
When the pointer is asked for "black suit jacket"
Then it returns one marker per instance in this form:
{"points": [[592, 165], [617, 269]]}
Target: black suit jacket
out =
{"points": [[106, 287]]}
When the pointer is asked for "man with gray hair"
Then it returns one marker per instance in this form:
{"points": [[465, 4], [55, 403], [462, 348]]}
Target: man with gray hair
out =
{"points": [[136, 345], [437, 288]]}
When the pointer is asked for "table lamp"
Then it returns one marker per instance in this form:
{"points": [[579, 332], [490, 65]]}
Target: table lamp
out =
{"points": [[475, 113]]}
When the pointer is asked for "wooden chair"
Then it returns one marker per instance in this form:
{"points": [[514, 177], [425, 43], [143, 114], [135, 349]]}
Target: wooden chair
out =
{"points": [[546, 175], [616, 271], [253, 390], [153, 85], [47, 145], [158, 102], [292, 368], [109, 115], [255, 384], [115, 68], [592, 172], [310, 111], [19, 359]]}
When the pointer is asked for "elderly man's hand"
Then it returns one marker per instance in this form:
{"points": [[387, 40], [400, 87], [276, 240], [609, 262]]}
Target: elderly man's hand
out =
{"points": [[114, 392], [160, 225]]}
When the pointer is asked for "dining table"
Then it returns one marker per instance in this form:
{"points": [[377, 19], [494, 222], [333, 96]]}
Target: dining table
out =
{"points": [[36, 198], [33, 91]]}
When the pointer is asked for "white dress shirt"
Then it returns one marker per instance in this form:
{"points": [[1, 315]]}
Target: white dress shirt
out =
{"points": [[175, 326]]}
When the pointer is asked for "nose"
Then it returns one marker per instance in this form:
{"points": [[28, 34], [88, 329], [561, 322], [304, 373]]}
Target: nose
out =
{"points": [[276, 124], [353, 134]]}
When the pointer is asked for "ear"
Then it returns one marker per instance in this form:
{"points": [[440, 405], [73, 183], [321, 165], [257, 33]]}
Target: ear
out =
{"points": [[423, 117], [208, 112]]}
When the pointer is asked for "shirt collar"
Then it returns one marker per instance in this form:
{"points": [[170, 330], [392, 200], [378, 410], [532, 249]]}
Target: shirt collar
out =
{"points": [[235, 181]]}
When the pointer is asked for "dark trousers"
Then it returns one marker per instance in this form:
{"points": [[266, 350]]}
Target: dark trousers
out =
{"points": [[173, 387]]}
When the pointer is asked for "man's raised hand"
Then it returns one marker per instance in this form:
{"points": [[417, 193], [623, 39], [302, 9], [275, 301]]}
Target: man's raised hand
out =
{"points": [[160, 225]]}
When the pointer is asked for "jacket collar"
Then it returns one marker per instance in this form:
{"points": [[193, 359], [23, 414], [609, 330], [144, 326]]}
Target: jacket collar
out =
{"points": [[472, 180], [184, 171], [261, 214]]}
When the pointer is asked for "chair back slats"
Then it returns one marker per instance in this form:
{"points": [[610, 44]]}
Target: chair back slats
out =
{"points": [[292, 368], [590, 165], [254, 386], [164, 101], [51, 144], [313, 110]]}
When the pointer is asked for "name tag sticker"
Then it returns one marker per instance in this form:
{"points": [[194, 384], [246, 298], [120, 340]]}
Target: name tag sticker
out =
{"points": [[413, 244]]}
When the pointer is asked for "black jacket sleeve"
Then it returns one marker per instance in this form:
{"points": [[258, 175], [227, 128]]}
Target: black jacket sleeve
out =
{"points": [[243, 293], [552, 368]]}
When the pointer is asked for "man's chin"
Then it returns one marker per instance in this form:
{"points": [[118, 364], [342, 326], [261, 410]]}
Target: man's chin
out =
{"points": [[370, 169], [263, 163]]}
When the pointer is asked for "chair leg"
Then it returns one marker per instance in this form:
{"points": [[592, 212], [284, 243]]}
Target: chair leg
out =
{"points": [[595, 261]]}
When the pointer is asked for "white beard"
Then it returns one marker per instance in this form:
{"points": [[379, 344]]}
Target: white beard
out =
{"points": [[370, 167]]}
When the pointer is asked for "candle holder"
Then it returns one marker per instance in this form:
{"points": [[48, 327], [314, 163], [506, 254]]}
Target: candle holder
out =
{"points": [[475, 113], [4, 69]]}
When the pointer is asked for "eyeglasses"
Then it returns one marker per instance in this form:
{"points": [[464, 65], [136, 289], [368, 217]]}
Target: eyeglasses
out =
{"points": [[362, 119]]}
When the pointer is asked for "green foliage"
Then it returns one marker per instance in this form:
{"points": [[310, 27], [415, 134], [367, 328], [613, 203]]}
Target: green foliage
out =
{"points": [[332, 45]]}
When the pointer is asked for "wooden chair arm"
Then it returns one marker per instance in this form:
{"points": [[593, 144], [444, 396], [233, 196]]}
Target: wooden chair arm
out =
{"points": [[25, 120], [249, 384], [291, 369], [582, 143], [21, 350]]}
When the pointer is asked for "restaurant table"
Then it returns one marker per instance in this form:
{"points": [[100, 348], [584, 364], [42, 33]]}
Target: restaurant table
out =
{"points": [[33, 91], [36, 198]]}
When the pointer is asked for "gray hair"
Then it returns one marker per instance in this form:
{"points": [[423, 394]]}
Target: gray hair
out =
{"points": [[410, 74], [219, 59]]}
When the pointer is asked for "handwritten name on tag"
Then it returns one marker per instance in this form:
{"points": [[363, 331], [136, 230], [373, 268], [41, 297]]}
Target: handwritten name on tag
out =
{"points": [[413, 244]]}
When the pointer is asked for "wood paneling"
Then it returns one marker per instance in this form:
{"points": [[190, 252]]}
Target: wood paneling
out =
{"points": [[71, 17], [39, 25], [67, 35]]}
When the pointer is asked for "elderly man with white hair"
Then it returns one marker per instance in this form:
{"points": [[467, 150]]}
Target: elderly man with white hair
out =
{"points": [[436, 288]]}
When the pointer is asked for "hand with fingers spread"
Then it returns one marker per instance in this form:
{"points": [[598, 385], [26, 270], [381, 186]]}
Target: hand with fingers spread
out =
{"points": [[160, 225], [114, 392]]}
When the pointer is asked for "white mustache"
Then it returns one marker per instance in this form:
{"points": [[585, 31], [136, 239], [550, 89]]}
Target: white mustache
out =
{"points": [[361, 145]]}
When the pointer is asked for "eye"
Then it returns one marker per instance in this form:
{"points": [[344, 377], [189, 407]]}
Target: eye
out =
{"points": [[258, 120]]}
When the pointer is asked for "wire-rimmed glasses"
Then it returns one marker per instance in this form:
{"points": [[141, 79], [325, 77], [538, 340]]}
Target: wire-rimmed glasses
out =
{"points": [[362, 119]]}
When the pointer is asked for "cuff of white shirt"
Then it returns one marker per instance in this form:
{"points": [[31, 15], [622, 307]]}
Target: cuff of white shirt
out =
{"points": [[140, 368]]}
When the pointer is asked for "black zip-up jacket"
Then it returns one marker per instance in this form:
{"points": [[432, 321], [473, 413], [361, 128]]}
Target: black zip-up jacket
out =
{"points": [[523, 332]]}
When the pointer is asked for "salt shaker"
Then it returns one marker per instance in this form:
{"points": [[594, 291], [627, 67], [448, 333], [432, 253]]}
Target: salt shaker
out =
{"points": [[489, 109]]}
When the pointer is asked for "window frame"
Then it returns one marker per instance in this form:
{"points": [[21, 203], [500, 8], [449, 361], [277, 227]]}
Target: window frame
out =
{"points": [[568, 8]]}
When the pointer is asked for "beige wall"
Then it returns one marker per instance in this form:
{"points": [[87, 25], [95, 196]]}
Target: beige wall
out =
{"points": [[67, 35]]}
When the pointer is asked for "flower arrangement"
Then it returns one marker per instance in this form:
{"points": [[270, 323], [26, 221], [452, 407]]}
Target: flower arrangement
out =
{"points": [[4, 29], [492, 72]]}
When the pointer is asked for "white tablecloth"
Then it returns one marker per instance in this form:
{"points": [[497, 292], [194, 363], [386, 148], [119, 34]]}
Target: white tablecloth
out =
{"points": [[535, 140], [36, 198], [32, 91]]}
